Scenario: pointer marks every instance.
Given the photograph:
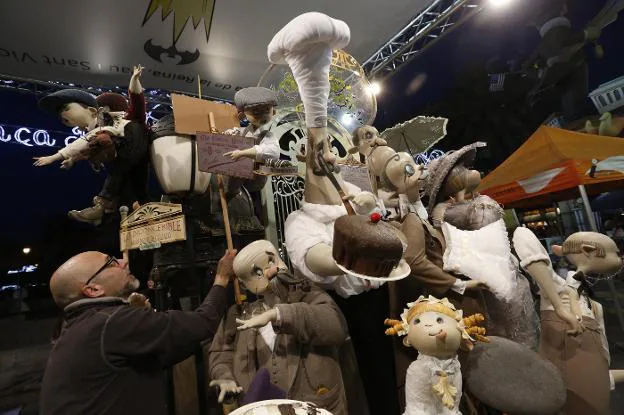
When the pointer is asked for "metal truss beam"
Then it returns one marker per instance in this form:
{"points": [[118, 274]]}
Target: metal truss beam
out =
{"points": [[158, 101], [429, 26]]}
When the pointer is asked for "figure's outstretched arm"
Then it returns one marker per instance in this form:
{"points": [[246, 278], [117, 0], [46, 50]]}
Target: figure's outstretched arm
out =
{"points": [[137, 107]]}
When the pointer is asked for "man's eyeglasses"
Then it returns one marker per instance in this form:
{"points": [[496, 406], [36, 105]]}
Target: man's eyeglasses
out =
{"points": [[109, 261]]}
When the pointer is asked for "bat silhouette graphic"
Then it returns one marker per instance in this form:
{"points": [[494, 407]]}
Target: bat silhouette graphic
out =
{"points": [[155, 52]]}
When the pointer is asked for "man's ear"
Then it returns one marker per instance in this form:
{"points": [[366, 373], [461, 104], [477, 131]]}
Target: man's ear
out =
{"points": [[93, 110], [588, 249], [92, 291], [557, 250]]}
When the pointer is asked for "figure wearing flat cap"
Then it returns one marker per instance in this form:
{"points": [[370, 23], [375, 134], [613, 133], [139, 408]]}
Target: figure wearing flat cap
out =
{"points": [[116, 136], [257, 105]]}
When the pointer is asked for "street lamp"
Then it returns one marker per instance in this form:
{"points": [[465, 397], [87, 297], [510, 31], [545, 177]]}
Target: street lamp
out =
{"points": [[26, 250]]}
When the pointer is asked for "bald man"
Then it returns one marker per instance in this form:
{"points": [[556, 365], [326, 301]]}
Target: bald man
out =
{"points": [[110, 357]]}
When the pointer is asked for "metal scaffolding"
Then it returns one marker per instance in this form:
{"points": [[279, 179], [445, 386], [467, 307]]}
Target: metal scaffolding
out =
{"points": [[438, 19], [158, 101]]}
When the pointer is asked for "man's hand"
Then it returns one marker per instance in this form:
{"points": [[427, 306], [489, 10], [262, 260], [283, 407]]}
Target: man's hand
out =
{"points": [[257, 321], [575, 324], [225, 386], [135, 86], [225, 269], [139, 300], [476, 285], [44, 161]]}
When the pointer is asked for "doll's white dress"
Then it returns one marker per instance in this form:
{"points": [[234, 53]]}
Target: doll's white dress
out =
{"points": [[422, 375]]}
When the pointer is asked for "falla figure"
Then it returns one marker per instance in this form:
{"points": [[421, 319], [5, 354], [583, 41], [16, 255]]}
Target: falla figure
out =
{"points": [[437, 330], [293, 331]]}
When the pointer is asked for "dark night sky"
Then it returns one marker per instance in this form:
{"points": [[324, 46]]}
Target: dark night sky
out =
{"points": [[32, 197]]}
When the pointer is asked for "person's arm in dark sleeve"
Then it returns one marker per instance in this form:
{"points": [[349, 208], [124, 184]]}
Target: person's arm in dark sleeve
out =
{"points": [[171, 336]]}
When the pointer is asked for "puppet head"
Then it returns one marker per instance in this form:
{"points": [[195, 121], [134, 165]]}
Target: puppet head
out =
{"points": [[394, 172], [75, 107], [366, 138], [435, 328], [257, 264], [257, 104], [591, 253], [450, 176]]}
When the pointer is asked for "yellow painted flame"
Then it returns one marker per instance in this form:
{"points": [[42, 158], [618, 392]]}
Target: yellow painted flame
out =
{"points": [[183, 10]]}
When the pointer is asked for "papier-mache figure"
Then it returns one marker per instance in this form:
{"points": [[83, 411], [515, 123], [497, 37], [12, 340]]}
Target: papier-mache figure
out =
{"points": [[305, 44], [257, 105], [116, 136], [293, 330], [475, 234], [572, 324], [434, 327]]}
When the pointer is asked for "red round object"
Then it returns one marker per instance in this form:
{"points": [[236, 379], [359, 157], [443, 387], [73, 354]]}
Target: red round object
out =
{"points": [[375, 217]]}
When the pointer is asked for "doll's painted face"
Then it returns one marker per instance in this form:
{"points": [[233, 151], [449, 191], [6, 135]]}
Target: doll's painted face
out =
{"points": [[77, 115], [256, 265], [403, 172], [259, 115], [434, 334]]}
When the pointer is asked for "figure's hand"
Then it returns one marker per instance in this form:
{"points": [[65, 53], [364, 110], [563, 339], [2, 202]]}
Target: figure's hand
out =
{"points": [[235, 155], [576, 326], [364, 201], [43, 161], [67, 163], [139, 300], [225, 386], [225, 268], [476, 285], [138, 71], [257, 321]]}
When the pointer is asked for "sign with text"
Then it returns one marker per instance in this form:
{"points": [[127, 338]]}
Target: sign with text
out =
{"points": [[152, 235], [211, 150], [357, 175]]}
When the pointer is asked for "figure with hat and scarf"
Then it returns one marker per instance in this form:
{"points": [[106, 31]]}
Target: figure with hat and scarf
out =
{"points": [[293, 331], [572, 324], [116, 136], [475, 234]]}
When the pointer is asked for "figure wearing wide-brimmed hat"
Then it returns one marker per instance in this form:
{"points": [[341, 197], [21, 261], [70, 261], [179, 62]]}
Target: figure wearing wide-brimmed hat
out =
{"points": [[116, 136]]}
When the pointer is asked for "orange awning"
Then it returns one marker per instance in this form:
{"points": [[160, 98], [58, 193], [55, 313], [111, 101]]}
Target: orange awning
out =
{"points": [[553, 160]]}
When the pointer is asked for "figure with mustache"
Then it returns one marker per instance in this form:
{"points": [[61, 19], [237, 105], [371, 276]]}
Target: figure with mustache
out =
{"points": [[293, 331], [437, 331]]}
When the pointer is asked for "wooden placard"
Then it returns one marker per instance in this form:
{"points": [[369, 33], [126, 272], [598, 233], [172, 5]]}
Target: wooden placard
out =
{"points": [[192, 114], [211, 149], [152, 225], [357, 175]]}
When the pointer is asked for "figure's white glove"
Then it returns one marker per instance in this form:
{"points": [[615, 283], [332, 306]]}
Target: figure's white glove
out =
{"points": [[225, 386], [365, 202], [306, 45], [257, 321]]}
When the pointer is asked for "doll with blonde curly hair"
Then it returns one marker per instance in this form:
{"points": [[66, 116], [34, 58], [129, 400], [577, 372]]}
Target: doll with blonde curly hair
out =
{"points": [[437, 330]]}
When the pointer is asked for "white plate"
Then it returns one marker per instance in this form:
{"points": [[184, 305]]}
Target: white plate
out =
{"points": [[272, 404], [401, 271]]}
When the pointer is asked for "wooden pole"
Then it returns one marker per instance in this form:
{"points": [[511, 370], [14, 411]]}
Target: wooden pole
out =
{"points": [[198, 86], [123, 212], [228, 233], [226, 216]]}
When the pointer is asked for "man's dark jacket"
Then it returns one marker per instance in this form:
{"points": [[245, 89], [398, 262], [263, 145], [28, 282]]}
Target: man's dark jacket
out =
{"points": [[110, 357]]}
